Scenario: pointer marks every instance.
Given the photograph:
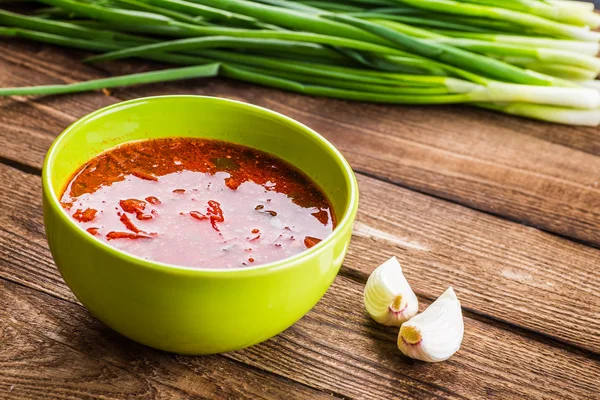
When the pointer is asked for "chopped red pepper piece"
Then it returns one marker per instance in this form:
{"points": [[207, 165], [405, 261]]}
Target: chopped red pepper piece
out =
{"points": [[310, 241], [128, 224], [135, 206], [153, 200], [127, 235], [85, 216], [198, 215]]}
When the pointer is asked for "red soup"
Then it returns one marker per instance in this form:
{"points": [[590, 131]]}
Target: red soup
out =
{"points": [[198, 203]]}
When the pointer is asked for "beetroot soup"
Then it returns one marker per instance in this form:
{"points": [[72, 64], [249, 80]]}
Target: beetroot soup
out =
{"points": [[199, 203]]}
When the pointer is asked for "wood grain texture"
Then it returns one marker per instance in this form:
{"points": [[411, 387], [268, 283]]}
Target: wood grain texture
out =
{"points": [[75, 353], [505, 273], [337, 348], [33, 366], [353, 351], [511, 272], [508, 271], [28, 128], [540, 174]]}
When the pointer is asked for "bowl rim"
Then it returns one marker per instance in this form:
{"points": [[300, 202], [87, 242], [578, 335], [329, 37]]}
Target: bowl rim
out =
{"points": [[344, 223]]}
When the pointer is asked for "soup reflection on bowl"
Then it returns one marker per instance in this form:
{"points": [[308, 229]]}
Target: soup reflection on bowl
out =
{"points": [[196, 225]]}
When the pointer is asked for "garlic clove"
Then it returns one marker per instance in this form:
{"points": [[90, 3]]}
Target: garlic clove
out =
{"points": [[389, 298], [435, 334]]}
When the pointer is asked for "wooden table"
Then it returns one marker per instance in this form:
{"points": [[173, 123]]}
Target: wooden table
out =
{"points": [[504, 209]]}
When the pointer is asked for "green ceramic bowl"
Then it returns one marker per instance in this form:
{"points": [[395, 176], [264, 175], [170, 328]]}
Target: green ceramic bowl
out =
{"points": [[188, 310]]}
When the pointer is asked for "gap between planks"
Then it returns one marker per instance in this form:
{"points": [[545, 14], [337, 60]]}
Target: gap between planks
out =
{"points": [[489, 319], [26, 168], [46, 108], [29, 169], [506, 210], [360, 277], [361, 280], [506, 217], [24, 286], [134, 362], [351, 330], [404, 377]]}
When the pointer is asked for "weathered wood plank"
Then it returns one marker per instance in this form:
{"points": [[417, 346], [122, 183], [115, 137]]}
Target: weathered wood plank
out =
{"points": [[53, 344], [29, 127], [35, 366], [510, 272], [519, 169], [584, 139], [337, 347]]}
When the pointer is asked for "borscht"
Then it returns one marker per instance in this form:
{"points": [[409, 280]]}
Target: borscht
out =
{"points": [[199, 203]]}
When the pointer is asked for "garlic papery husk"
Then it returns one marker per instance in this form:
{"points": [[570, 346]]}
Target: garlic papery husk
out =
{"points": [[388, 296], [435, 334]]}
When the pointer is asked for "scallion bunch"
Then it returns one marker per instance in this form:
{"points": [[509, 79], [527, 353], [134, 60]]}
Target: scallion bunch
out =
{"points": [[534, 58]]}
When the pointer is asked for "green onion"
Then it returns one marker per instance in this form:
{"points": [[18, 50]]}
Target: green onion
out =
{"points": [[446, 54], [367, 87], [517, 17], [557, 70], [292, 19], [248, 39], [582, 47], [209, 13], [65, 41], [202, 71], [347, 94], [210, 42], [421, 21], [323, 5], [547, 113], [292, 5], [106, 14], [563, 12], [63, 28], [531, 58], [538, 53], [177, 16]]}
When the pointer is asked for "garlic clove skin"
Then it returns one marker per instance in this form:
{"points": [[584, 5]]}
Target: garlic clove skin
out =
{"points": [[435, 334], [389, 298]]}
